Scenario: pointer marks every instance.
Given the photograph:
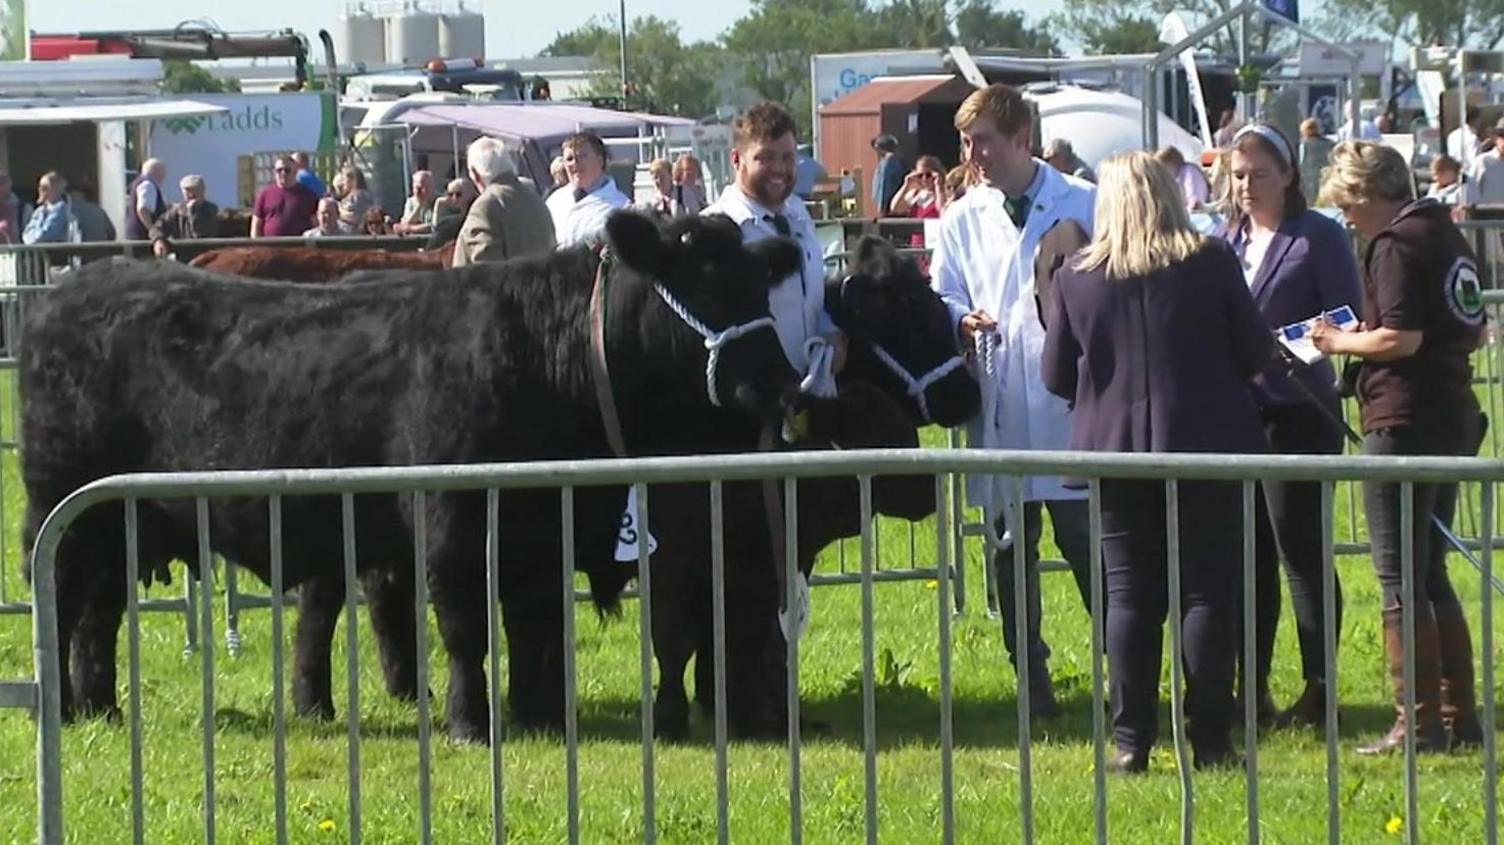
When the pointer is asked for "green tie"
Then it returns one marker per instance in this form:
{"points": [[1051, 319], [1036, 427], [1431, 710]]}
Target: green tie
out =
{"points": [[1018, 209]]}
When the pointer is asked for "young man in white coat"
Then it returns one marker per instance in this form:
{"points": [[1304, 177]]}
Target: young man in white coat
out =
{"points": [[763, 156], [983, 267], [581, 205]]}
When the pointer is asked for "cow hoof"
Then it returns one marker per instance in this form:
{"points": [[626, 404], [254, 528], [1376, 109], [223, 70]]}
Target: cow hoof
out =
{"points": [[816, 727], [322, 711], [672, 730], [103, 711], [470, 733]]}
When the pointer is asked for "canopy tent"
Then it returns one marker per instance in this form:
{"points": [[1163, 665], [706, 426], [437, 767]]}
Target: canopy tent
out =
{"points": [[536, 130], [55, 112]]}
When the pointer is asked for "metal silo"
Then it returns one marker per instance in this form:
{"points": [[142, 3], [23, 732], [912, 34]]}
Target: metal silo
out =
{"points": [[413, 37], [360, 37], [462, 34]]}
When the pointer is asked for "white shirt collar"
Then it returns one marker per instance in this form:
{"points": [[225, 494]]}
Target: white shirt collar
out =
{"points": [[735, 203]]}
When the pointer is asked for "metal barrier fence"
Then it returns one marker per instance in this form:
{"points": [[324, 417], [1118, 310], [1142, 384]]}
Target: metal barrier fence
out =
{"points": [[43, 692]]}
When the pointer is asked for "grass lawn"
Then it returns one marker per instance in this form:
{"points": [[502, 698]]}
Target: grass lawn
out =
{"points": [[1292, 778]]}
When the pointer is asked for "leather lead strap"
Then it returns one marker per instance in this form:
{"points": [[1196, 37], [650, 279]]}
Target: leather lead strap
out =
{"points": [[600, 373], [772, 505]]}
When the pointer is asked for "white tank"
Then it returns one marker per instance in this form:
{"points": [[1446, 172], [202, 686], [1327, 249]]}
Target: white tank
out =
{"points": [[462, 35], [360, 37], [413, 38]]}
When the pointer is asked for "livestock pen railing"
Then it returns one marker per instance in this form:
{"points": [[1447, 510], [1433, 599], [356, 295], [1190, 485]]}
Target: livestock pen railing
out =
{"points": [[935, 808]]}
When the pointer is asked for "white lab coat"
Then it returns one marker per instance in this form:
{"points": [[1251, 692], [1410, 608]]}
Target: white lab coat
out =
{"points": [[577, 222], [798, 302], [982, 261]]}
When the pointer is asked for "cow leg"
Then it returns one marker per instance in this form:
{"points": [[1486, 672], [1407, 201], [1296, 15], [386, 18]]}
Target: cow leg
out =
{"points": [[94, 648], [534, 624], [674, 644], [320, 600], [389, 601]]}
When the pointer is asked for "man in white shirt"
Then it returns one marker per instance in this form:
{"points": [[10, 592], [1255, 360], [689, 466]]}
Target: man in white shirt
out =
{"points": [[763, 156], [148, 203], [1485, 174], [327, 217], [580, 207], [984, 270], [1463, 142]]}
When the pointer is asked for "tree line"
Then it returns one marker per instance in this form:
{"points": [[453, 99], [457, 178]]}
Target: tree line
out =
{"points": [[770, 47]]}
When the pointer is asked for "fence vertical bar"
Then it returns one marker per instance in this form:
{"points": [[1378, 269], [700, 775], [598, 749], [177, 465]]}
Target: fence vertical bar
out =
{"points": [[279, 713], [869, 684], [1407, 616], [1329, 652], [1490, 739], [493, 651], [1021, 651], [420, 614], [206, 636], [792, 597], [133, 647], [571, 716], [190, 616], [1250, 663], [958, 521], [645, 634], [1177, 680], [718, 646], [45, 658], [947, 738], [232, 610], [1098, 639], [352, 666]]}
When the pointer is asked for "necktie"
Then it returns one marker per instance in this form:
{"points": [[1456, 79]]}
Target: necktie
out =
{"points": [[580, 193], [780, 224], [1018, 209]]}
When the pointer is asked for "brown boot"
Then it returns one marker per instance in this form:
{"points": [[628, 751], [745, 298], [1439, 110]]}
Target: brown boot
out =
{"points": [[1430, 736], [1459, 708]]}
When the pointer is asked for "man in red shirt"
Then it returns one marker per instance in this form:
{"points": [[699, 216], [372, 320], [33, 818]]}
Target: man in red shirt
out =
{"points": [[285, 207]]}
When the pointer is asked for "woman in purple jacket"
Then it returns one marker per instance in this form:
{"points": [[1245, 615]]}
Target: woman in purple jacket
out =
{"points": [[1297, 264], [1153, 337]]}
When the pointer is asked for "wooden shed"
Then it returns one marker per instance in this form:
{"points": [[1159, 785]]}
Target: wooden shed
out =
{"points": [[917, 110]]}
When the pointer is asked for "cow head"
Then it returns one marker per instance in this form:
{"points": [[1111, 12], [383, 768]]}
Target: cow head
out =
{"points": [[902, 336], [712, 296]]}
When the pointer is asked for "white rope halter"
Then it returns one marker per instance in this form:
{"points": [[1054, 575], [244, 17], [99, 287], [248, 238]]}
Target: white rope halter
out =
{"points": [[917, 386], [713, 340]]}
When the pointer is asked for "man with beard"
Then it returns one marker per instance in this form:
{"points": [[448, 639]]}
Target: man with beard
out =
{"points": [[580, 207], [763, 155]]}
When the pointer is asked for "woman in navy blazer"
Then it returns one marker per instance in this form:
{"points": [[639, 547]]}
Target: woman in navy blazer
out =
{"points": [[1298, 264], [1154, 338]]}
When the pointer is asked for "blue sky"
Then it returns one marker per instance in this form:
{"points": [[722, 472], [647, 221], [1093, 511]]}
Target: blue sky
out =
{"points": [[513, 27]]}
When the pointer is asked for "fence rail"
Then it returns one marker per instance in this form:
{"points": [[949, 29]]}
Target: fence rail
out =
{"points": [[500, 479]]}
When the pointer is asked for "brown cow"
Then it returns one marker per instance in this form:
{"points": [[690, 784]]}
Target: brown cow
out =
{"points": [[310, 264]]}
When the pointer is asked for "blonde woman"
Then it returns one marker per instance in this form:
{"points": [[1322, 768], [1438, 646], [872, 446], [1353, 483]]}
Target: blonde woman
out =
{"points": [[1155, 339], [689, 190], [663, 203], [1423, 316]]}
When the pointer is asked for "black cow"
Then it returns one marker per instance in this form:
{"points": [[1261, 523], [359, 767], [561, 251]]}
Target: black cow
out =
{"points": [[902, 341], [145, 366]]}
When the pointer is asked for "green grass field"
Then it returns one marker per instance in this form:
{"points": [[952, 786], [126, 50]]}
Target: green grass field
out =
{"points": [[1292, 780]]}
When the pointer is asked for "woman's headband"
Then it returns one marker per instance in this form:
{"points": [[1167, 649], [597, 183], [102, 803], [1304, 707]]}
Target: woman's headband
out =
{"points": [[1268, 133]]}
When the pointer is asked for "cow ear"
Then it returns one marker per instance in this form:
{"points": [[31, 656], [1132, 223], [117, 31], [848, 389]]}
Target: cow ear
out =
{"points": [[637, 242], [782, 255], [876, 256]]}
